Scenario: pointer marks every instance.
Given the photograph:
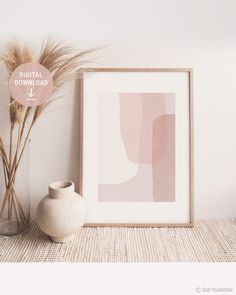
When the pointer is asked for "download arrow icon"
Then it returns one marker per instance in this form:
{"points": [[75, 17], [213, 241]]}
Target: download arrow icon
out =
{"points": [[30, 94]]}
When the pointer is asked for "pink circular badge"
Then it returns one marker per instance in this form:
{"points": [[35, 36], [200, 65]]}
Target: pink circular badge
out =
{"points": [[31, 84]]}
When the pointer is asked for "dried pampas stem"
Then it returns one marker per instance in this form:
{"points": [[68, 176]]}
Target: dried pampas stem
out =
{"points": [[63, 61]]}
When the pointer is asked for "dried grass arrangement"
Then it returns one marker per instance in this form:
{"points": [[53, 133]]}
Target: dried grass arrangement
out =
{"points": [[63, 61]]}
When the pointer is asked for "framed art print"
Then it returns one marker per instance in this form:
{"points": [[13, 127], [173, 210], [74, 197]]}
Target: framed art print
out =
{"points": [[136, 153]]}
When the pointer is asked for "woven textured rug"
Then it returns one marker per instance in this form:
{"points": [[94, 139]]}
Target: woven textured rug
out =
{"points": [[208, 241]]}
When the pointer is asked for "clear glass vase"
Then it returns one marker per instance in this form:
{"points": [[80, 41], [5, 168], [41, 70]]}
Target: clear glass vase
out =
{"points": [[15, 189]]}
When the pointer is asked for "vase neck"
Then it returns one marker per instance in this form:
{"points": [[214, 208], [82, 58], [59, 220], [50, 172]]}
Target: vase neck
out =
{"points": [[61, 189]]}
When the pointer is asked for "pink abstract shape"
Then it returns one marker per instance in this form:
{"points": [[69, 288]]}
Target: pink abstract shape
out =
{"points": [[137, 113], [147, 125], [164, 159], [131, 117]]}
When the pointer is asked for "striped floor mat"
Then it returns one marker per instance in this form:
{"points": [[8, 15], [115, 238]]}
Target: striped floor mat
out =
{"points": [[208, 241]]}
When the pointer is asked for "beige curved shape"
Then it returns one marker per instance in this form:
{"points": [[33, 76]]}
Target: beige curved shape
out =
{"points": [[113, 164]]}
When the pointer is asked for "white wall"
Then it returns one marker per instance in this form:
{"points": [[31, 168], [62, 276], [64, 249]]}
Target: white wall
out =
{"points": [[139, 33]]}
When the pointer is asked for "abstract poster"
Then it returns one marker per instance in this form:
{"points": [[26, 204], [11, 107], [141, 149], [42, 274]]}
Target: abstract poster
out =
{"points": [[136, 147], [136, 151]]}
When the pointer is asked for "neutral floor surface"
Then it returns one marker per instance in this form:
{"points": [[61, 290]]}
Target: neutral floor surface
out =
{"points": [[208, 241]]}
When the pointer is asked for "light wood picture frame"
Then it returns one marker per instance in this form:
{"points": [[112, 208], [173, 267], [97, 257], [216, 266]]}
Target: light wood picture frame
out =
{"points": [[133, 176]]}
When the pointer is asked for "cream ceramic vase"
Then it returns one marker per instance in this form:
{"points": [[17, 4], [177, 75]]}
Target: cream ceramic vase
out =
{"points": [[61, 213]]}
